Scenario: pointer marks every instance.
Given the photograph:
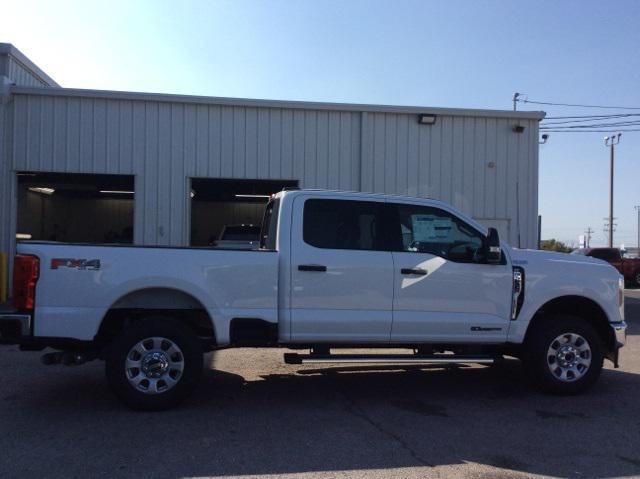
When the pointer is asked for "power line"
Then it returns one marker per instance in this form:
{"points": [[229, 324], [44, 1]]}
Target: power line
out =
{"points": [[595, 117], [599, 125], [594, 125], [579, 105], [585, 119]]}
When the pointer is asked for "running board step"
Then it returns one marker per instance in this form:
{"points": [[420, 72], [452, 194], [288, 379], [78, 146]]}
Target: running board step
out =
{"points": [[295, 358]]}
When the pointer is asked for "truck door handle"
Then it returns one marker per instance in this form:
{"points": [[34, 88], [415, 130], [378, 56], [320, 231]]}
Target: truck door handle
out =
{"points": [[312, 267], [417, 271]]}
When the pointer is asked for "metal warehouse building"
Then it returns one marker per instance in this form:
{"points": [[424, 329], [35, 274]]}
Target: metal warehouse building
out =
{"points": [[156, 169]]}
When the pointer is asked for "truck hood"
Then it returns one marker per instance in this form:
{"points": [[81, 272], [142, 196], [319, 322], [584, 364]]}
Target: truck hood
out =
{"points": [[570, 263]]}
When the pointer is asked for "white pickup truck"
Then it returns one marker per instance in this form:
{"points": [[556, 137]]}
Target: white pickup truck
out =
{"points": [[334, 270]]}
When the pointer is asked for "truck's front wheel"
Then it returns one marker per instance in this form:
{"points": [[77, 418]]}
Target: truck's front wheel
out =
{"points": [[563, 354], [154, 364]]}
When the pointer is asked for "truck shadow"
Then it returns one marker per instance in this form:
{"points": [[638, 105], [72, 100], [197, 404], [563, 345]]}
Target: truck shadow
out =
{"points": [[339, 419]]}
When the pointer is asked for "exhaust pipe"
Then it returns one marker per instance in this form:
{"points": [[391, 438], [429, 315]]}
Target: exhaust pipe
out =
{"points": [[52, 358], [63, 357]]}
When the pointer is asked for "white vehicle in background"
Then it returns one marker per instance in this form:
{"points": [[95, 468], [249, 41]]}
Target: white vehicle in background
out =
{"points": [[333, 270], [239, 237]]}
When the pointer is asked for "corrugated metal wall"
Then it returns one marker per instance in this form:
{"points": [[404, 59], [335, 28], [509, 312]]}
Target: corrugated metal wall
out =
{"points": [[18, 72], [164, 144], [21, 75], [476, 163], [8, 194]]}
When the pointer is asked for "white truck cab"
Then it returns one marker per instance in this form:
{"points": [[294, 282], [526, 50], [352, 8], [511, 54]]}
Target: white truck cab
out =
{"points": [[334, 270]]}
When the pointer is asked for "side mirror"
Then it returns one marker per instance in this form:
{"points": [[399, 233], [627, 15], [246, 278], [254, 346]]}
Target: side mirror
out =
{"points": [[492, 245]]}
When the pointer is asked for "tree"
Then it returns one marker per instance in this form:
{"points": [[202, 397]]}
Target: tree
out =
{"points": [[554, 245]]}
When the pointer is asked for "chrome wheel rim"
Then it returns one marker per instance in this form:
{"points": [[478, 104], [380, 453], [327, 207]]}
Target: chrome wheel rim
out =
{"points": [[569, 357], [154, 365]]}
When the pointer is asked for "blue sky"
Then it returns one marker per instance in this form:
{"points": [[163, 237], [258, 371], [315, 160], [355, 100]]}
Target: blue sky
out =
{"points": [[469, 54]]}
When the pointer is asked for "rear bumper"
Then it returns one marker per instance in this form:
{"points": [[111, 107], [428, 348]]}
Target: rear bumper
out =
{"points": [[14, 327], [17, 328]]}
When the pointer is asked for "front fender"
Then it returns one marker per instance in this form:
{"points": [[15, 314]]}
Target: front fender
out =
{"points": [[552, 276]]}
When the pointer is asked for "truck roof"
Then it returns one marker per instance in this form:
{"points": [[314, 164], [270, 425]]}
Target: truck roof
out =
{"points": [[322, 191], [360, 194]]}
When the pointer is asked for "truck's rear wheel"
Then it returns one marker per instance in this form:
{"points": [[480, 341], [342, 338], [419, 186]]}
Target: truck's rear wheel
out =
{"points": [[154, 364], [563, 355]]}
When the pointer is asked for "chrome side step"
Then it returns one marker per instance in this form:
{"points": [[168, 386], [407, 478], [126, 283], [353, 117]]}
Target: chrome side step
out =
{"points": [[295, 358]]}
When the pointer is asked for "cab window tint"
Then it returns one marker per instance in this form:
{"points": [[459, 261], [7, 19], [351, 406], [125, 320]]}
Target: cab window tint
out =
{"points": [[342, 224], [424, 229]]}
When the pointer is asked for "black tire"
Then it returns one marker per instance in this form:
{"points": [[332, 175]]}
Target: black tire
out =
{"points": [[539, 364], [189, 356]]}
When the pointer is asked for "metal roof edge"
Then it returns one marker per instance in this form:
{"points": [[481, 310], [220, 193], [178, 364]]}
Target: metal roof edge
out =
{"points": [[9, 49], [206, 100]]}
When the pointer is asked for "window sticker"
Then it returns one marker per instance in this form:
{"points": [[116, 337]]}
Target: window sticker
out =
{"points": [[431, 228]]}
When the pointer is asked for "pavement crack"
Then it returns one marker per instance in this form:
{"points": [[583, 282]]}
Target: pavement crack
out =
{"points": [[357, 411]]}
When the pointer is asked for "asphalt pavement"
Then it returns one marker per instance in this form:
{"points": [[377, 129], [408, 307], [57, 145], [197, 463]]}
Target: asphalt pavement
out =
{"points": [[254, 416]]}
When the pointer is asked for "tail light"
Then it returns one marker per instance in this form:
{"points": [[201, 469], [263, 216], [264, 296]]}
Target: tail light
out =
{"points": [[26, 270]]}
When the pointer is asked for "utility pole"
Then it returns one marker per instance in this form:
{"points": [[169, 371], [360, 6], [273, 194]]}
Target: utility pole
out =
{"points": [[608, 226], [611, 142], [588, 237], [515, 100], [638, 210]]}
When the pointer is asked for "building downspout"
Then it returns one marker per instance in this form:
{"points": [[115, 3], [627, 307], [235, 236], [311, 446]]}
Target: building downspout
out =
{"points": [[5, 229]]}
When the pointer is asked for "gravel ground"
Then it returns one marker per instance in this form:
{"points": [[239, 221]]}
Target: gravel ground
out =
{"points": [[254, 416]]}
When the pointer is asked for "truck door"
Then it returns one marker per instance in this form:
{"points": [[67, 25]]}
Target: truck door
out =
{"points": [[444, 291], [341, 271]]}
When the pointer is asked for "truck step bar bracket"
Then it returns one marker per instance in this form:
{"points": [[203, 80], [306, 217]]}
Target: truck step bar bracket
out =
{"points": [[388, 359]]}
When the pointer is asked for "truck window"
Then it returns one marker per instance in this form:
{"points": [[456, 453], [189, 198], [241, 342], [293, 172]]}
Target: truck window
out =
{"points": [[343, 224], [423, 229], [269, 229]]}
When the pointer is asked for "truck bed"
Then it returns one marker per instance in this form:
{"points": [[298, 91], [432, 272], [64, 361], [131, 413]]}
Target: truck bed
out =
{"points": [[79, 283]]}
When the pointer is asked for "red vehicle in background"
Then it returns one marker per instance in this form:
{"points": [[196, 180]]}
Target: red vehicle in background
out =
{"points": [[628, 267]]}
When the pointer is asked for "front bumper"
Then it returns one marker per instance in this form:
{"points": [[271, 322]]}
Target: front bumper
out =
{"points": [[619, 333], [14, 327]]}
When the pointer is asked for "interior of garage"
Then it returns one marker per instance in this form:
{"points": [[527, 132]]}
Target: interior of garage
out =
{"points": [[220, 203], [75, 207]]}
